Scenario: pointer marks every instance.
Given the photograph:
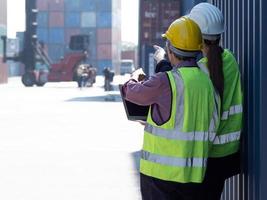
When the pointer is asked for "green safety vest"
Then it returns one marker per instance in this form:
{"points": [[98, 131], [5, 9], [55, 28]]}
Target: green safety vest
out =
{"points": [[227, 139], [178, 150]]}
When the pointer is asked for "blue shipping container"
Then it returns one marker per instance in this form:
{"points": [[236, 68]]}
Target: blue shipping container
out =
{"points": [[2, 32], [42, 35], [88, 5], [101, 64], [72, 5], [72, 19], [56, 35], [42, 19], [104, 20], [55, 52], [104, 5]]}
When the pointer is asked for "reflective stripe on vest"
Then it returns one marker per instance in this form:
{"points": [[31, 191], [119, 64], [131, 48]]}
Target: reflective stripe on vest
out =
{"points": [[178, 135], [232, 111], [227, 138], [176, 162]]}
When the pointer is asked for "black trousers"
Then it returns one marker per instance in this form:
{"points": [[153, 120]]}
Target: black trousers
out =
{"points": [[218, 170], [156, 189]]}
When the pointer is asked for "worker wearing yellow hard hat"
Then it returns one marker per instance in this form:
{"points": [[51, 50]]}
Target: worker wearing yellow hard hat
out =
{"points": [[182, 120]]}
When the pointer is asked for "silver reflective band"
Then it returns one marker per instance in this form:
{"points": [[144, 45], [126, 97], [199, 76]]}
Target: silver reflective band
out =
{"points": [[203, 67], [227, 138], [233, 110], [174, 161], [177, 135]]}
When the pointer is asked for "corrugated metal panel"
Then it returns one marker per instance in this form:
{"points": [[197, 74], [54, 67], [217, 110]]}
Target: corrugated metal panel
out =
{"points": [[104, 5], [104, 20], [42, 35], [88, 5], [245, 37], [102, 64], [42, 5], [55, 5], [104, 52], [104, 35], [155, 18], [3, 71], [56, 52], [92, 46], [88, 19], [56, 19], [56, 35], [3, 12], [72, 19], [42, 19], [3, 31], [72, 5]]}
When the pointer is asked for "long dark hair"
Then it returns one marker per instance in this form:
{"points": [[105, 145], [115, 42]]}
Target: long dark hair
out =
{"points": [[215, 64]]}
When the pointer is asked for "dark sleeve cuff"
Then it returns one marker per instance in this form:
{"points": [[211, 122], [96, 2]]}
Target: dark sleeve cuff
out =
{"points": [[163, 66]]}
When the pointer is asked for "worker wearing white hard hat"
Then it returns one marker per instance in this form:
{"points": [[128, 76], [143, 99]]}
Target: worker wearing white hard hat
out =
{"points": [[223, 69]]}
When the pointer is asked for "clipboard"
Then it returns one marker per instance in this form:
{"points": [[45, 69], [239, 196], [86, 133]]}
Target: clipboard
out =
{"points": [[134, 111]]}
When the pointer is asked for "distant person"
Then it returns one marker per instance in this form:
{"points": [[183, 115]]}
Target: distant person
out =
{"points": [[108, 78], [182, 120]]}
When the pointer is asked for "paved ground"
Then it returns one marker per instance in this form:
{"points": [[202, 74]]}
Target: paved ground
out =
{"points": [[58, 142]]}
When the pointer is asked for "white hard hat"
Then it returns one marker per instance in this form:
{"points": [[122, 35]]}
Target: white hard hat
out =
{"points": [[209, 19]]}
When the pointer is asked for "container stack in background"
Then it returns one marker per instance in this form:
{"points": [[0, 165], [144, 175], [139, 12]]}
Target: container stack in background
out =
{"points": [[155, 18], [58, 20], [3, 31]]}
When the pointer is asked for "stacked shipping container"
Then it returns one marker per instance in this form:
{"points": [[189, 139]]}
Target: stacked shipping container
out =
{"points": [[58, 20], [155, 18], [3, 31]]}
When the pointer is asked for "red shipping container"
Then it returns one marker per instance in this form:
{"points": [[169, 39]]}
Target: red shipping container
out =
{"points": [[104, 36], [55, 5], [42, 5], [56, 19], [104, 52], [69, 32], [3, 71]]}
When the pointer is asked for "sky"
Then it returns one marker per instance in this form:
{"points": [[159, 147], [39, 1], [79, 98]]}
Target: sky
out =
{"points": [[129, 19]]}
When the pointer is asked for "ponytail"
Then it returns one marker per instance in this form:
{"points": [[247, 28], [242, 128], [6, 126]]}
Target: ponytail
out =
{"points": [[215, 64]]}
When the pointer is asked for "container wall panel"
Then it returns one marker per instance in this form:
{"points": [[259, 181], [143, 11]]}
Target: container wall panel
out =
{"points": [[104, 51], [3, 12], [104, 5], [92, 44], [56, 36], [42, 5], [104, 36], [155, 18], [56, 52], [3, 71], [56, 19], [3, 31], [245, 36], [88, 19], [88, 5], [104, 20], [71, 5], [72, 19], [55, 5], [42, 35], [42, 19], [69, 32], [102, 64]]}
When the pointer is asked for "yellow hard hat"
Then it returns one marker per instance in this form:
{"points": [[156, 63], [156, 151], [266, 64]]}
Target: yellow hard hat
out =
{"points": [[184, 34]]}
